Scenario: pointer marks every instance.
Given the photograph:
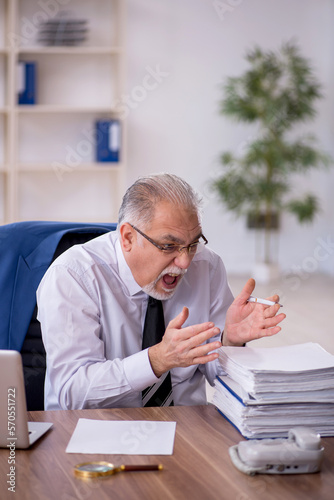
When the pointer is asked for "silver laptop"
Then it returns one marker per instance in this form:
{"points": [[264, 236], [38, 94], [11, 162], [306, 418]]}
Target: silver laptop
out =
{"points": [[15, 430]]}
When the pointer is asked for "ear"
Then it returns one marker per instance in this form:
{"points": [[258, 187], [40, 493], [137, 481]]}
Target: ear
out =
{"points": [[127, 236]]}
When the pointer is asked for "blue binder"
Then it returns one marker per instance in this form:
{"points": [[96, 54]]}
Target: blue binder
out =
{"points": [[108, 140], [27, 93]]}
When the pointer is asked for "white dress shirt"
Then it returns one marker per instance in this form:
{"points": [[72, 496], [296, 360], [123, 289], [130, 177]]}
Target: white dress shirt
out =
{"points": [[92, 314]]}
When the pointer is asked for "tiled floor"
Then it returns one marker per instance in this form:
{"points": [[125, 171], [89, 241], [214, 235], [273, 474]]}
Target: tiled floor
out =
{"points": [[308, 302]]}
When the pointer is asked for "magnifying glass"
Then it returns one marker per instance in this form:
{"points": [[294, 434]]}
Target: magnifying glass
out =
{"points": [[104, 469]]}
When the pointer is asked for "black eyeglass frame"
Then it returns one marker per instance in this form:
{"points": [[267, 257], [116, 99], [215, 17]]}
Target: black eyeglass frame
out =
{"points": [[170, 248]]}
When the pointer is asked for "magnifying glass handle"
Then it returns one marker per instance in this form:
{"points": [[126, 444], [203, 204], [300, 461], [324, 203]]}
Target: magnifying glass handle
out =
{"points": [[128, 468]]}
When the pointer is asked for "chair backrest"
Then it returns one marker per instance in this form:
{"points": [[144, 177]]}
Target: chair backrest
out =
{"points": [[31, 346], [33, 352]]}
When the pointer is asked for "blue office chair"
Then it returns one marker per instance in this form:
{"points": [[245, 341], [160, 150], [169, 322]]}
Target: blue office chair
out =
{"points": [[26, 251]]}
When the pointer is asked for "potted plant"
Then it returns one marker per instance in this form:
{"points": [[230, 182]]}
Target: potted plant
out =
{"points": [[276, 93]]}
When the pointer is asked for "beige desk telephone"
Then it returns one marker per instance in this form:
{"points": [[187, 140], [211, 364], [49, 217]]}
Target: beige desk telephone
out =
{"points": [[300, 453]]}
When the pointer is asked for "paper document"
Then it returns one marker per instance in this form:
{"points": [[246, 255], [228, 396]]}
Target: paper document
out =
{"points": [[290, 396], [135, 437], [267, 391], [292, 358], [296, 368]]}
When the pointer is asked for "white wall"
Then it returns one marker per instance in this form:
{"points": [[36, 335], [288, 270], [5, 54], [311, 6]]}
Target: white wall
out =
{"points": [[173, 119]]}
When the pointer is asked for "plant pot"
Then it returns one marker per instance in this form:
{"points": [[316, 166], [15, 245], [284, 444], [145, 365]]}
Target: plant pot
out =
{"points": [[258, 220], [265, 273]]}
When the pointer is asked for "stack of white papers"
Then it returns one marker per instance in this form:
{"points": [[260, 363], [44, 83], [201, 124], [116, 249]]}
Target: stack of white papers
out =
{"points": [[266, 391]]}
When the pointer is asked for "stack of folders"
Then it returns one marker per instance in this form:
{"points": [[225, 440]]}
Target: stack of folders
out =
{"points": [[63, 30], [267, 391]]}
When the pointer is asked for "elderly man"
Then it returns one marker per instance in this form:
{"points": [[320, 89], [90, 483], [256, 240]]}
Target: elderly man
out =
{"points": [[93, 300]]}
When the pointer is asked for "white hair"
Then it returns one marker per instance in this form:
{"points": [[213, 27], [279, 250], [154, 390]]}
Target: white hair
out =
{"points": [[139, 201]]}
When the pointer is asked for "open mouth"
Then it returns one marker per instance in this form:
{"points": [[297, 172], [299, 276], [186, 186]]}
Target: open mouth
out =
{"points": [[170, 280]]}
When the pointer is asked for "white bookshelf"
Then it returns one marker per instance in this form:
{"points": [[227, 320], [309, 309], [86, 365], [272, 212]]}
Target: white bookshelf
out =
{"points": [[48, 169]]}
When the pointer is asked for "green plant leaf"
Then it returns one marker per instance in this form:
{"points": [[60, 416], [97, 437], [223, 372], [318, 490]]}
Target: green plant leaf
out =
{"points": [[278, 91], [304, 209]]}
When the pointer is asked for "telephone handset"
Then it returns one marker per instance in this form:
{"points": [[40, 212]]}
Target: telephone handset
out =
{"points": [[300, 453]]}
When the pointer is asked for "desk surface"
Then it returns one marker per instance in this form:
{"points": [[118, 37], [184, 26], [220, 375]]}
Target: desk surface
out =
{"points": [[200, 467]]}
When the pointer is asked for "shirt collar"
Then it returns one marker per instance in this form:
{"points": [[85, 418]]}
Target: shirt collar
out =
{"points": [[125, 272]]}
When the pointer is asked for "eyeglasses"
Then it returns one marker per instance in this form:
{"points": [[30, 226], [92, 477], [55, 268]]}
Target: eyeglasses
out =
{"points": [[170, 248]]}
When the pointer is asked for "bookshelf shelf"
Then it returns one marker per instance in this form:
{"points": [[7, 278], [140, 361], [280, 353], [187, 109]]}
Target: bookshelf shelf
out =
{"points": [[48, 167], [63, 51], [45, 108]]}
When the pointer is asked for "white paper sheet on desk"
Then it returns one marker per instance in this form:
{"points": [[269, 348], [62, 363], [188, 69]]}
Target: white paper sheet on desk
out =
{"points": [[135, 437]]}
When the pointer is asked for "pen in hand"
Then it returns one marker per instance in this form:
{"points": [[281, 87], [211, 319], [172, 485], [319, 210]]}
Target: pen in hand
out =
{"points": [[262, 301]]}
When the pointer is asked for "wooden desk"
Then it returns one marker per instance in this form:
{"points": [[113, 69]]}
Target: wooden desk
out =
{"points": [[200, 467]]}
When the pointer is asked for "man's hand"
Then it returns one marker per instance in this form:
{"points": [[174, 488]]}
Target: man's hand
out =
{"points": [[182, 346], [246, 321]]}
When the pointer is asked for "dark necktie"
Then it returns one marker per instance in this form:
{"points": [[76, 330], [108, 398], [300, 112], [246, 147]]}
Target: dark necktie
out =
{"points": [[159, 394]]}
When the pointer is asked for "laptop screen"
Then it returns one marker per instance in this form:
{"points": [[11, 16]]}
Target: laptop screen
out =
{"points": [[14, 425]]}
